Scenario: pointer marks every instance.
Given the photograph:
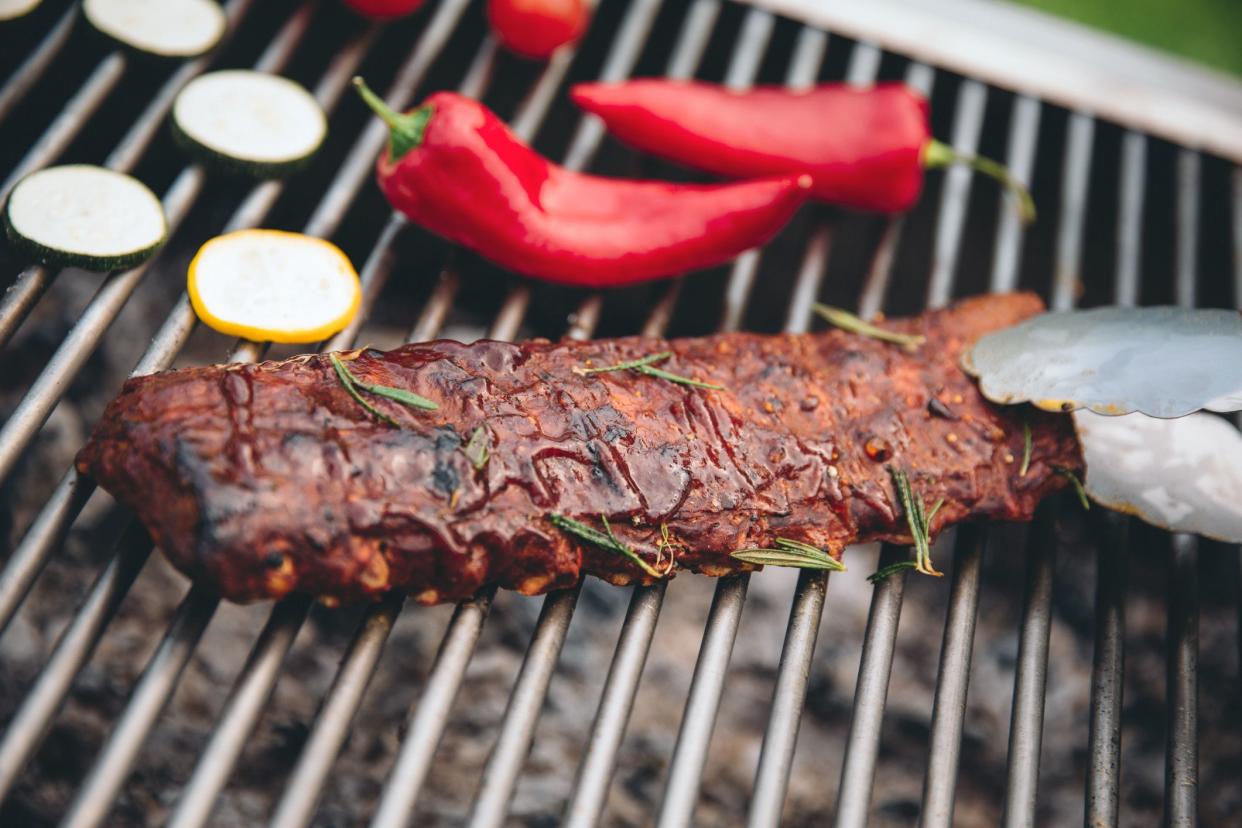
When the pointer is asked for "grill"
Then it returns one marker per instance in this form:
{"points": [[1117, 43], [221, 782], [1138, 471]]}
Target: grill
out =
{"points": [[1127, 218]]}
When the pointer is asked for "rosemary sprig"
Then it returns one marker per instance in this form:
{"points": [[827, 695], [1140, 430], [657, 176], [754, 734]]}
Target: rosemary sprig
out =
{"points": [[400, 395], [919, 520], [644, 366], [476, 450], [1076, 483], [606, 540], [790, 553], [667, 541], [847, 321], [1026, 449]]}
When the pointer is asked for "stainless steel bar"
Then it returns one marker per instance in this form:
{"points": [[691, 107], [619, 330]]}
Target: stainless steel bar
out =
{"points": [[870, 694], [358, 165], [429, 716], [242, 710], [788, 696], [955, 197], [681, 792], [116, 289], [70, 121], [953, 680], [1101, 806], [751, 43], [517, 730], [1181, 773], [1107, 676], [1027, 717], [921, 77], [97, 795], [1027, 722], [1074, 179], [613, 715], [39, 706], [1020, 158], [305, 786], [1130, 217], [1187, 246], [33, 68], [1181, 770]]}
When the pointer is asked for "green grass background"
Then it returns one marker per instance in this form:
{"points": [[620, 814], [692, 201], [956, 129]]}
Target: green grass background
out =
{"points": [[1206, 31]]}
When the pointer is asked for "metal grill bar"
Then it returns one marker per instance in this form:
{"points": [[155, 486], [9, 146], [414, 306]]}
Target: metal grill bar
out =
{"points": [[1030, 682], [1130, 220], [34, 67], [1020, 158], [879, 640], [1107, 676], [1181, 777], [952, 680], [1102, 806]]}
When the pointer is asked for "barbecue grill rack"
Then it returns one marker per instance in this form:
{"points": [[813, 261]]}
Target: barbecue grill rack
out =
{"points": [[1126, 218]]}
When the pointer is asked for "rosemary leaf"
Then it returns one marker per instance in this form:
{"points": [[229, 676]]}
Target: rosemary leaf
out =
{"points": [[402, 396], [476, 449], [626, 366], [1026, 449], [849, 322], [399, 394], [347, 380], [1076, 483], [892, 569], [790, 553], [918, 521], [665, 375], [607, 541], [643, 366]]}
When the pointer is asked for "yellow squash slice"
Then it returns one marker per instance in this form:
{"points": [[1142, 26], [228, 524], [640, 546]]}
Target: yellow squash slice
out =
{"points": [[274, 286]]}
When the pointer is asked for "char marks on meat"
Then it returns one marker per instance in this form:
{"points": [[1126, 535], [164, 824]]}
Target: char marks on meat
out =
{"points": [[261, 480]]}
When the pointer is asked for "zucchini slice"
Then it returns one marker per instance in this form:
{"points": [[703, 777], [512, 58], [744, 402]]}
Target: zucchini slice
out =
{"points": [[13, 9], [249, 122], [273, 286], [80, 215], [160, 28]]}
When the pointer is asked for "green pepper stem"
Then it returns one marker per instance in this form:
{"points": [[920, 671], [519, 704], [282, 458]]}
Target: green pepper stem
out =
{"points": [[407, 129], [938, 154]]}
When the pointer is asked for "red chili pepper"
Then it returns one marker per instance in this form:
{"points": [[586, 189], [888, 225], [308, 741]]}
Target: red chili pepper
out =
{"points": [[537, 28], [864, 147], [384, 9], [453, 167]]}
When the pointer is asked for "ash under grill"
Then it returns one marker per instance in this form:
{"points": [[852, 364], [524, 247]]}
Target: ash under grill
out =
{"points": [[805, 698]]}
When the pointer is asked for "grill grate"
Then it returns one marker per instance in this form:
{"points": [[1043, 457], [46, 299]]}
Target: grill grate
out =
{"points": [[740, 46]]}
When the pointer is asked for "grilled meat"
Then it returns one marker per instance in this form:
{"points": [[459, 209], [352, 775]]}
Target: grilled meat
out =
{"points": [[266, 479]]}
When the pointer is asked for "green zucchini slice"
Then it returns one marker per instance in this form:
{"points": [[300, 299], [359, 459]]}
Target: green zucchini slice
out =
{"points": [[161, 28], [13, 9], [80, 215], [249, 122]]}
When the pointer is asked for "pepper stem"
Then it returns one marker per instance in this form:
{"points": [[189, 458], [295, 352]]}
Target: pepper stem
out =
{"points": [[938, 154], [407, 129]]}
